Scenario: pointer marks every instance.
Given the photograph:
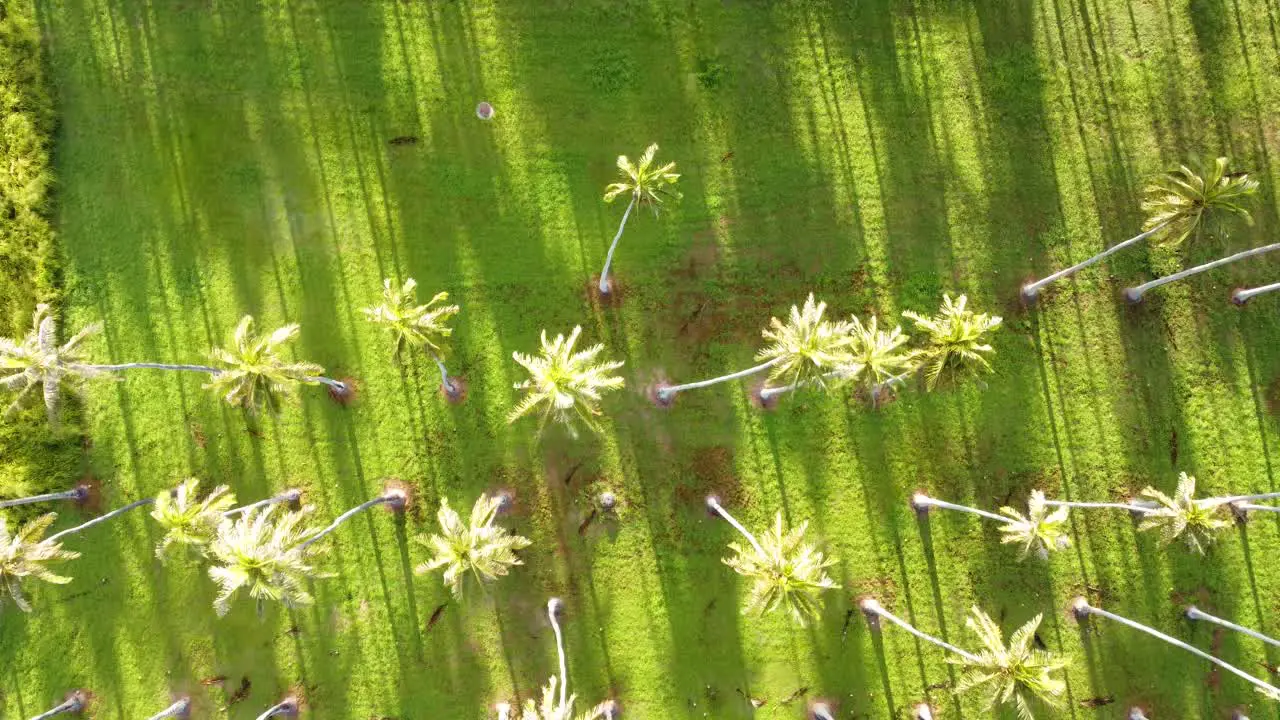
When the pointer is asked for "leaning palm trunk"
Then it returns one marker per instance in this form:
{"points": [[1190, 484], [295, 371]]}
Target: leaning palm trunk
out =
{"points": [[445, 381], [395, 498], [922, 502], [1140, 507], [76, 493], [181, 708], [1082, 609], [336, 385], [666, 394], [1134, 294], [608, 259], [1031, 290], [73, 704], [872, 607], [1244, 295], [1194, 613], [287, 707], [287, 496], [100, 519], [714, 504]]}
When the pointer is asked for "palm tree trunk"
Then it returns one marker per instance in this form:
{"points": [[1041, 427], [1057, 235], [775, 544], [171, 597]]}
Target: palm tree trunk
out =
{"points": [[1195, 613], [1227, 500], [1134, 294], [338, 521], [920, 500], [714, 504], [666, 393], [337, 385], [1082, 606], [1263, 508], [286, 496], [178, 709], [100, 519], [288, 706], [1031, 290], [504, 711], [77, 493], [870, 605], [553, 605], [1092, 505], [156, 366], [73, 704], [1244, 295], [1137, 714], [608, 259]]}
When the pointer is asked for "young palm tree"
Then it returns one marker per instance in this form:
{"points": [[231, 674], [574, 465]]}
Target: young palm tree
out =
{"points": [[786, 572], [647, 185], [75, 703], [1083, 609], [288, 707], [805, 350], [187, 520], [955, 338], [264, 554], [1040, 531], [480, 550], [564, 385], [24, 554], [78, 493], [181, 708], [1135, 293], [556, 703], [1244, 295], [1194, 613], [39, 361], [419, 327], [251, 374], [1178, 204], [1013, 674]]}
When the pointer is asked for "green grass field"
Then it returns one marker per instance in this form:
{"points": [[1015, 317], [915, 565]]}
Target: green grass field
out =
{"points": [[222, 157]]}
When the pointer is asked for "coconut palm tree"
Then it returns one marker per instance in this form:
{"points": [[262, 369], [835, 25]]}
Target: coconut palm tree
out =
{"points": [[786, 572], [1083, 609], [647, 184], [1178, 204], [1195, 521], [76, 703], [1040, 531], [180, 708], [1135, 293], [875, 359], [265, 555], [39, 361], [556, 703], [480, 550], [1244, 295], [251, 374], [1194, 613], [78, 493], [1015, 674], [393, 496], [419, 327], [288, 707], [807, 349], [188, 520], [24, 554], [563, 385], [955, 338]]}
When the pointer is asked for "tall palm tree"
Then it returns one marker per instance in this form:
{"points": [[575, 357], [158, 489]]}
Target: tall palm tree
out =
{"points": [[875, 359], [1083, 609], [188, 520], [180, 708], [251, 373], [1135, 293], [1178, 204], [78, 493], [556, 703], [807, 349], [955, 338], [563, 385], [1194, 613], [785, 571], [25, 554], [647, 184], [289, 707], [1041, 530], [1195, 521], [419, 327], [39, 361], [480, 550], [1244, 295], [76, 702], [1014, 674], [265, 555], [393, 496]]}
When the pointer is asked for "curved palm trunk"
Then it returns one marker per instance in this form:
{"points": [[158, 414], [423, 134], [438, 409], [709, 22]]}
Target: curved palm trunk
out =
{"points": [[608, 259], [873, 607], [388, 498], [921, 501], [714, 504], [178, 709], [73, 704], [1031, 290], [445, 382], [666, 393], [1082, 606], [1135, 507], [552, 606], [1244, 295], [337, 385], [77, 493], [1263, 508], [100, 519], [156, 366], [1229, 499], [1134, 294], [288, 706], [286, 496], [1195, 613]]}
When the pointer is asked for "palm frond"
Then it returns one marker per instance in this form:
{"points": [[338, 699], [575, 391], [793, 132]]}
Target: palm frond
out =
{"points": [[187, 520], [1184, 201], [955, 339], [807, 349], [563, 385], [647, 184], [251, 373], [410, 324], [1042, 530], [876, 356], [25, 554], [788, 574], [1197, 522], [37, 360], [264, 555], [479, 550], [1014, 674]]}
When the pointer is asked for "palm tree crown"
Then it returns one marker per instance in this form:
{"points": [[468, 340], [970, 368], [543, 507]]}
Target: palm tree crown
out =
{"points": [[650, 185], [564, 384], [480, 549], [188, 520], [412, 325], [252, 374], [553, 708], [1181, 200], [39, 361], [955, 338], [876, 356], [1195, 521], [24, 554], [1015, 673], [785, 571], [1042, 529], [806, 348], [265, 555]]}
